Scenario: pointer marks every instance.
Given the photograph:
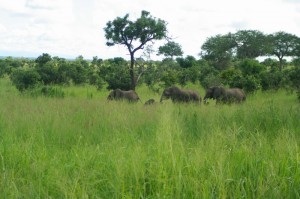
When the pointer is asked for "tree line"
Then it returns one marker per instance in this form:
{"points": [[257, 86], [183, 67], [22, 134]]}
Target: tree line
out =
{"points": [[248, 74], [219, 51], [229, 59]]}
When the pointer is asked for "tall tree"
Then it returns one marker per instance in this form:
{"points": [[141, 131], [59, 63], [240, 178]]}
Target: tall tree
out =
{"points": [[218, 50], [170, 49], [43, 59], [282, 45], [186, 62], [134, 35], [250, 44]]}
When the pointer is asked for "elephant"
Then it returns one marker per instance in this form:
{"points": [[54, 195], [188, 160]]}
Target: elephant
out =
{"points": [[118, 94], [178, 95], [149, 102], [225, 95]]}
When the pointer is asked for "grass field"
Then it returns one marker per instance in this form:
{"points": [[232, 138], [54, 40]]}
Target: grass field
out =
{"points": [[81, 146]]}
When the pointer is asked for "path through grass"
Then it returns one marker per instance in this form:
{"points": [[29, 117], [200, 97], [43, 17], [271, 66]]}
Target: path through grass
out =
{"points": [[82, 147]]}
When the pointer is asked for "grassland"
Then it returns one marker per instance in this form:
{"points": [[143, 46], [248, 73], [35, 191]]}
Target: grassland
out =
{"points": [[81, 146]]}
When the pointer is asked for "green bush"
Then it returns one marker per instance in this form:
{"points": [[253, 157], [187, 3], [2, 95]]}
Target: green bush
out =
{"points": [[231, 76], [97, 81], [152, 76], [211, 80], [25, 79], [9, 64], [209, 76], [2, 68], [169, 78], [271, 80], [246, 75], [188, 75], [248, 83], [48, 73], [78, 72], [64, 73], [43, 59], [294, 77], [251, 67], [182, 78], [296, 62], [116, 74], [273, 64]]}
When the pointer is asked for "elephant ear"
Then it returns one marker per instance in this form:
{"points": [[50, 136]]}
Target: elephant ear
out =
{"points": [[217, 92], [173, 90], [117, 93], [167, 91]]}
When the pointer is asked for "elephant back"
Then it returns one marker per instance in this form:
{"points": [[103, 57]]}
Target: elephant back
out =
{"points": [[131, 95], [237, 94]]}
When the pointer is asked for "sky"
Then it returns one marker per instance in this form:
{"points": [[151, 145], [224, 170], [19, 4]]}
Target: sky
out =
{"points": [[69, 28]]}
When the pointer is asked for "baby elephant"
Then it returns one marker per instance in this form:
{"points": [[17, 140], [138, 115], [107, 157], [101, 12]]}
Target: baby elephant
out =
{"points": [[149, 102], [118, 94]]}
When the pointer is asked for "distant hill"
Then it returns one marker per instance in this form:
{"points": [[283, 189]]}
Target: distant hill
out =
{"points": [[31, 58]]}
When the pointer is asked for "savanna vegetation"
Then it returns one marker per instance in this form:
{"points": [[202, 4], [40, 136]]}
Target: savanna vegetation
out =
{"points": [[81, 146], [61, 138]]}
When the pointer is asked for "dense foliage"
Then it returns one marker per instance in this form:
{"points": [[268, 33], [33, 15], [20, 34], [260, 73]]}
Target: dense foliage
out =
{"points": [[248, 74], [221, 50], [229, 60]]}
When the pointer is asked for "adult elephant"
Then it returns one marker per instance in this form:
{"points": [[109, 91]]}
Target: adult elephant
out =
{"points": [[225, 95], [118, 94], [178, 95]]}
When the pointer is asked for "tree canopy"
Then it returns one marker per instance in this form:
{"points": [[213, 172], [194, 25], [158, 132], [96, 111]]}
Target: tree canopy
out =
{"points": [[134, 35], [283, 44], [170, 49], [250, 44], [219, 50]]}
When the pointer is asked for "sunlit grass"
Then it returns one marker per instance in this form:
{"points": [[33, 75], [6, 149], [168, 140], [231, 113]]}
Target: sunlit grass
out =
{"points": [[82, 146]]}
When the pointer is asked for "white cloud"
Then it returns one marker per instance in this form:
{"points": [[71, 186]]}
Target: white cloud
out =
{"points": [[75, 27], [14, 6], [2, 29], [292, 1], [41, 4]]}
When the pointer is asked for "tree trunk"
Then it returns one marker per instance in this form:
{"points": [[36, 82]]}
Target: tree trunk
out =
{"points": [[280, 64], [131, 71], [280, 59]]}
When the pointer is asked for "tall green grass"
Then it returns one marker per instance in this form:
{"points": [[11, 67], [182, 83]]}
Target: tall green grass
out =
{"points": [[85, 147]]}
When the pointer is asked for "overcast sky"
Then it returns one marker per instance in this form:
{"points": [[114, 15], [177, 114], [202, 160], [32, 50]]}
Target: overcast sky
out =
{"points": [[68, 28]]}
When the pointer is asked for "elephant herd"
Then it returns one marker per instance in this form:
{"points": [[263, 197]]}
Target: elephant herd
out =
{"points": [[177, 95]]}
